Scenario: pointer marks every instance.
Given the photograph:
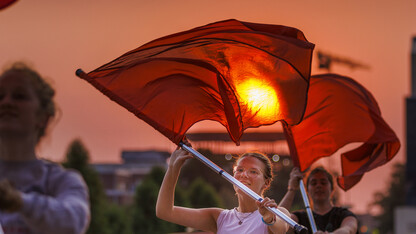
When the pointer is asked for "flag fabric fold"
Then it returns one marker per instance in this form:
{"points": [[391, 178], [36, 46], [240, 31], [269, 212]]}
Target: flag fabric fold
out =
{"points": [[341, 111], [6, 3], [207, 73]]}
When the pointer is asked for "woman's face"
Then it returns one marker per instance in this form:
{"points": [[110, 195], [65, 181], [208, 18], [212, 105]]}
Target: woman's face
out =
{"points": [[319, 187], [249, 171], [19, 106]]}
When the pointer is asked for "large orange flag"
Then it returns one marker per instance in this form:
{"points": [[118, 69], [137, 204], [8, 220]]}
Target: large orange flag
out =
{"points": [[237, 73], [341, 111], [6, 3]]}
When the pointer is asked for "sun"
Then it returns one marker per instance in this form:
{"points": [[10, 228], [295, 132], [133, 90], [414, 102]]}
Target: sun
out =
{"points": [[259, 97]]}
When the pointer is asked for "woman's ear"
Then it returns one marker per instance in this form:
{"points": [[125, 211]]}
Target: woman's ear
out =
{"points": [[267, 183]]}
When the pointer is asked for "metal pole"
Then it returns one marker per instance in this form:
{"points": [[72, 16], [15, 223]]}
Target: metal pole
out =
{"points": [[307, 206], [298, 228]]}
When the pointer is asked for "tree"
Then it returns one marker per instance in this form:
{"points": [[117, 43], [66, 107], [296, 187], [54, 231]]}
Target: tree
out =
{"points": [[144, 213], [156, 175], [144, 204], [77, 157], [103, 214], [202, 195], [391, 198], [117, 218], [194, 168]]}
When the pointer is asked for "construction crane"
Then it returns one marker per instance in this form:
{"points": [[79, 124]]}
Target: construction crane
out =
{"points": [[326, 60]]}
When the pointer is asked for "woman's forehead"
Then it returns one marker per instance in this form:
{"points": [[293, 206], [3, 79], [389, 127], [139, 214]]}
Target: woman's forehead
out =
{"points": [[249, 161], [319, 176], [15, 79]]}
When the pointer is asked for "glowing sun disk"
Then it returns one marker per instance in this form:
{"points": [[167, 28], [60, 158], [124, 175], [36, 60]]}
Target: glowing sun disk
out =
{"points": [[260, 97]]}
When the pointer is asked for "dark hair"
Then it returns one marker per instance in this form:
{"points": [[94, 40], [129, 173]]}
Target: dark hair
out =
{"points": [[268, 173], [317, 170], [43, 90]]}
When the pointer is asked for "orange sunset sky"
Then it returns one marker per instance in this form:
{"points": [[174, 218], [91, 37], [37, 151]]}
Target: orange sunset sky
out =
{"points": [[57, 37]]}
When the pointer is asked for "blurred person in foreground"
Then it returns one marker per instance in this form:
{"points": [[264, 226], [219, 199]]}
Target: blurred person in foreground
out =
{"points": [[252, 169], [320, 187], [36, 196]]}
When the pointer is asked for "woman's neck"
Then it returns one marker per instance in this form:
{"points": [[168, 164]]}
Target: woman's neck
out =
{"points": [[322, 207], [246, 204], [11, 150]]}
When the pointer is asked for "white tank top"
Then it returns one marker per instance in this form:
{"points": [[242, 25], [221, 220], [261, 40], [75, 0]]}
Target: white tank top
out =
{"points": [[228, 222]]}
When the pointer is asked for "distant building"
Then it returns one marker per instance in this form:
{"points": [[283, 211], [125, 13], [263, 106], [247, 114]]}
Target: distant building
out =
{"points": [[220, 142], [120, 180], [411, 134], [405, 216]]}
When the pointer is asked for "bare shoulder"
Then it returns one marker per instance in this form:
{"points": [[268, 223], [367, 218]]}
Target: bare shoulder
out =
{"points": [[214, 212]]}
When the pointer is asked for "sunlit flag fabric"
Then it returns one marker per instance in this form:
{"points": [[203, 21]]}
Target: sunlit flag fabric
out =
{"points": [[237, 73], [341, 111], [6, 3]]}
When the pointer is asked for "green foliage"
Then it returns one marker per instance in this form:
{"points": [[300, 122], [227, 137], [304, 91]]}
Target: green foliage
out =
{"points": [[203, 195], [194, 168], [144, 210], [118, 219], [105, 217], [77, 156], [181, 197], [144, 203], [388, 200], [156, 175]]}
